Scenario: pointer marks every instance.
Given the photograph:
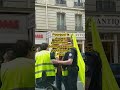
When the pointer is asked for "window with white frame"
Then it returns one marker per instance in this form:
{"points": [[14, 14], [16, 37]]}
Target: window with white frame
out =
{"points": [[61, 24], [78, 22], [77, 3], [60, 1]]}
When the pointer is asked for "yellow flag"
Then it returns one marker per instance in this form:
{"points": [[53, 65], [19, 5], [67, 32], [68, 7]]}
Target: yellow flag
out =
{"points": [[108, 79], [80, 61]]}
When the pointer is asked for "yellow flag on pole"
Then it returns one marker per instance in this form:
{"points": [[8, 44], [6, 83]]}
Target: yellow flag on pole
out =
{"points": [[108, 79], [80, 61]]}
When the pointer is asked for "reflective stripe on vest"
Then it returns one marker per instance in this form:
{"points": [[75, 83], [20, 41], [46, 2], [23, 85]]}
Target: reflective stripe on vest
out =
{"points": [[43, 63]]}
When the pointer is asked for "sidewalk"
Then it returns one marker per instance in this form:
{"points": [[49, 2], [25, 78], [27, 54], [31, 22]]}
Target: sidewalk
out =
{"points": [[79, 84]]}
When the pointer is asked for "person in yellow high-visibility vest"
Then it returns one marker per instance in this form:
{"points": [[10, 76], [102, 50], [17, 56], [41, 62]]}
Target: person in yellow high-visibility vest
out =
{"points": [[69, 64], [19, 74], [44, 64]]}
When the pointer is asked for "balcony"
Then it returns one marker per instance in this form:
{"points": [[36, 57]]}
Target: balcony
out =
{"points": [[61, 27], [61, 2], [103, 6], [78, 28], [77, 4]]}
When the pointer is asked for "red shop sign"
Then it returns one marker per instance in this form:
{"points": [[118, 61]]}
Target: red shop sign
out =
{"points": [[38, 35], [9, 24]]}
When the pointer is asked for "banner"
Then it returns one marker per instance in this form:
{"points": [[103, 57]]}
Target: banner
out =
{"points": [[80, 61], [59, 43], [108, 79]]}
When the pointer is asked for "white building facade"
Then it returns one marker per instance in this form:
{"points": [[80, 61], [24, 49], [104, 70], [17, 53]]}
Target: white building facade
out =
{"points": [[60, 16], [107, 16]]}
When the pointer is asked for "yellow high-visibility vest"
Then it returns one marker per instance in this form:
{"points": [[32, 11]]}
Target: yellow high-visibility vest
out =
{"points": [[43, 63], [18, 73], [64, 72]]}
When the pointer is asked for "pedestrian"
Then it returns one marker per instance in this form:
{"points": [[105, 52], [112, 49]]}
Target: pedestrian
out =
{"points": [[9, 55], [38, 49], [69, 64], [18, 74], [59, 76], [44, 66]]}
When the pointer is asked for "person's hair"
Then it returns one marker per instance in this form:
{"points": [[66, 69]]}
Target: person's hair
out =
{"points": [[23, 47], [44, 46], [10, 55]]}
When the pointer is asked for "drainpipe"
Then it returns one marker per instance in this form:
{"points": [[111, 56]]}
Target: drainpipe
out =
{"points": [[46, 14]]}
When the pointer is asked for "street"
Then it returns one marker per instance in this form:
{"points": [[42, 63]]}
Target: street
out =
{"points": [[79, 84]]}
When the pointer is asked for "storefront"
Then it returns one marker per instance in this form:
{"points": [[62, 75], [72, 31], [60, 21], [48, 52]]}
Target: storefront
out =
{"points": [[109, 29], [13, 27], [40, 37]]}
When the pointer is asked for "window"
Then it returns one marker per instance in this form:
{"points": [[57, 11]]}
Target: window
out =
{"points": [[78, 3], [61, 21], [60, 1], [78, 22], [105, 6]]}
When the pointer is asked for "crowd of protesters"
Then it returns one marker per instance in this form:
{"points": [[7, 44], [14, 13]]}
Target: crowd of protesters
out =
{"points": [[23, 68], [59, 69]]}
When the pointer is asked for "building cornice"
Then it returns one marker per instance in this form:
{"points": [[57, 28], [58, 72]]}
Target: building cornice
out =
{"points": [[93, 13], [16, 10], [71, 31], [59, 7]]}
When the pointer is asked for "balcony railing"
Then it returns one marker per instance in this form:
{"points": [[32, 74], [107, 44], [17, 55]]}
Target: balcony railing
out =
{"points": [[61, 27], [78, 28], [60, 2], [77, 4], [105, 6]]}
